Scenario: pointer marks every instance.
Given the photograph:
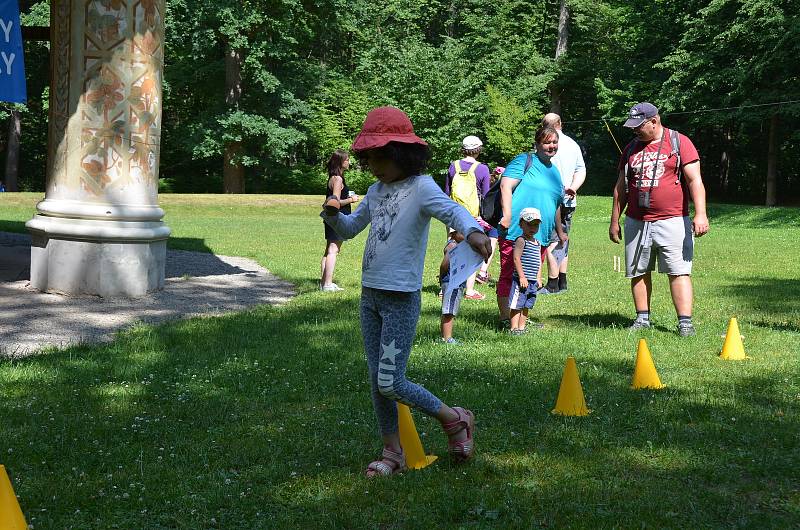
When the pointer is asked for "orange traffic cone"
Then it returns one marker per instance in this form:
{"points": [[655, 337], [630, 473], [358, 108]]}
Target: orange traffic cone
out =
{"points": [[644, 374], [733, 349], [410, 442], [11, 517], [570, 400]]}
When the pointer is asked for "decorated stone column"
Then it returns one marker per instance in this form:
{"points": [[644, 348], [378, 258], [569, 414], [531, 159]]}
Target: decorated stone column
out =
{"points": [[99, 229]]}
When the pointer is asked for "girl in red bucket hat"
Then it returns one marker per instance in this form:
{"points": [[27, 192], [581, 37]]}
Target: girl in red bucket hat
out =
{"points": [[398, 208]]}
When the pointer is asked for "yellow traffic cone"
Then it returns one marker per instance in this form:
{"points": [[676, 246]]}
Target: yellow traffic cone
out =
{"points": [[410, 442], [570, 400], [11, 517], [644, 374], [733, 349]]}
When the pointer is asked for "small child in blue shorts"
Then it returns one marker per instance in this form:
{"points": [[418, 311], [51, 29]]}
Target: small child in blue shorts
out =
{"points": [[527, 265], [451, 300]]}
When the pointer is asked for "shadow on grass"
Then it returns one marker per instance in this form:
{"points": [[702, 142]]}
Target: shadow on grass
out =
{"points": [[603, 320], [263, 419], [776, 300], [753, 216]]}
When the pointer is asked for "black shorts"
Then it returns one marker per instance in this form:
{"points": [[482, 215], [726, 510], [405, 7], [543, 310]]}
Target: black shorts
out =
{"points": [[330, 234]]}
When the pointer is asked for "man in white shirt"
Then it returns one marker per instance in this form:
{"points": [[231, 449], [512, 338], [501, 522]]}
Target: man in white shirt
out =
{"points": [[569, 160]]}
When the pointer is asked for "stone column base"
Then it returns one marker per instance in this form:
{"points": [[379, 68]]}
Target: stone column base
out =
{"points": [[103, 258]]}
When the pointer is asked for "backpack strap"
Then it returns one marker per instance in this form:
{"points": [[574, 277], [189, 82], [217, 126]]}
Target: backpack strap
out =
{"points": [[627, 156], [675, 142], [528, 162], [460, 169], [472, 169]]}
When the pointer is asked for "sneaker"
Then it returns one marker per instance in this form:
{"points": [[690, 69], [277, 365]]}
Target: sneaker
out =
{"points": [[686, 329], [451, 340], [533, 325], [517, 332], [475, 296], [504, 324], [332, 288], [545, 290], [639, 324]]}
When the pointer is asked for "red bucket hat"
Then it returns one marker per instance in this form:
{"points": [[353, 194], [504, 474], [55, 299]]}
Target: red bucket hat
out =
{"points": [[384, 125]]}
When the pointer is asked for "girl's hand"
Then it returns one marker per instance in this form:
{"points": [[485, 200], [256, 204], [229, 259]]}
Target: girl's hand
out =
{"points": [[523, 283], [563, 237], [539, 283], [481, 244], [331, 206], [354, 198]]}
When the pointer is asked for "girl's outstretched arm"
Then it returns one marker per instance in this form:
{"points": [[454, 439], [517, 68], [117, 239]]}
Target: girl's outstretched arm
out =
{"points": [[348, 226]]}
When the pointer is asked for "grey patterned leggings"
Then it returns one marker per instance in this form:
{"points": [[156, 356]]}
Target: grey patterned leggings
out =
{"points": [[388, 324]]}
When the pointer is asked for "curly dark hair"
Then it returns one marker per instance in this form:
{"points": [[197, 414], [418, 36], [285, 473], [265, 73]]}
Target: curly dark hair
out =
{"points": [[412, 159]]}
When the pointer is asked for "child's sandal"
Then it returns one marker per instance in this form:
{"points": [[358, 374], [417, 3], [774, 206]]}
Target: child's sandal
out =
{"points": [[389, 464], [464, 449]]}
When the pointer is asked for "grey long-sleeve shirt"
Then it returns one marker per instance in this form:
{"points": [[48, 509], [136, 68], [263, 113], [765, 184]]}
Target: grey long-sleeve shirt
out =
{"points": [[399, 214]]}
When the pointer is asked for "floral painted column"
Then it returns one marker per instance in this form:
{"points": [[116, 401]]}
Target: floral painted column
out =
{"points": [[99, 229]]}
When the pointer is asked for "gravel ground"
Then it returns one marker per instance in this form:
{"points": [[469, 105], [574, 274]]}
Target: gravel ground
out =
{"points": [[196, 284]]}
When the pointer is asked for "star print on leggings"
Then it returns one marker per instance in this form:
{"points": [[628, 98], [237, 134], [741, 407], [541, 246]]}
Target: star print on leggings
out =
{"points": [[386, 370]]}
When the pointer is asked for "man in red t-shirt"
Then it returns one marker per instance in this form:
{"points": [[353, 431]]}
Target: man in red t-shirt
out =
{"points": [[655, 192]]}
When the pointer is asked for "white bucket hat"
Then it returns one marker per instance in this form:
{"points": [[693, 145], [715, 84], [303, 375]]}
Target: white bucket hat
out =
{"points": [[530, 214], [471, 142]]}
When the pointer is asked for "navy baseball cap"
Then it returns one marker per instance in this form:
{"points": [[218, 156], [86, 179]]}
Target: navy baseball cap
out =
{"points": [[639, 113]]}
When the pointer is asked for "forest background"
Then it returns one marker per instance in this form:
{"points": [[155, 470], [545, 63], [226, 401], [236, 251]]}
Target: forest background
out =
{"points": [[258, 93]]}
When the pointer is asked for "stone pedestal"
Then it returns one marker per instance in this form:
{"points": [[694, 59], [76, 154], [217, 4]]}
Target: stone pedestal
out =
{"points": [[99, 229], [78, 256]]}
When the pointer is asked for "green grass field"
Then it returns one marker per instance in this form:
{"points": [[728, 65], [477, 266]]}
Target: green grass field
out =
{"points": [[263, 419]]}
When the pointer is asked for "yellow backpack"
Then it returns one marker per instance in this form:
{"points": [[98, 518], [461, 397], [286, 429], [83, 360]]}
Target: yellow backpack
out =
{"points": [[464, 187]]}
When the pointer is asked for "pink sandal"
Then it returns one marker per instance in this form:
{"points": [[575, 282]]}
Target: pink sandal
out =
{"points": [[380, 468], [464, 449]]}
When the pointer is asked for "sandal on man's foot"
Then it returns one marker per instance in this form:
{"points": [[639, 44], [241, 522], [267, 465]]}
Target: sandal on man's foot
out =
{"points": [[389, 464], [464, 449]]}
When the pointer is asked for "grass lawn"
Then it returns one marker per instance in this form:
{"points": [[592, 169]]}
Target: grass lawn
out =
{"points": [[262, 419]]}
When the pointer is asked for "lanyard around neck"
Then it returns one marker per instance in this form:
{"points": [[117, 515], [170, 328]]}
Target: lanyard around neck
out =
{"points": [[655, 165]]}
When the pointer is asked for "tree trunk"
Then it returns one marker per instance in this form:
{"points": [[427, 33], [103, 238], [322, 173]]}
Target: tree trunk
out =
{"points": [[12, 151], [725, 159], [561, 49], [772, 156], [232, 170]]}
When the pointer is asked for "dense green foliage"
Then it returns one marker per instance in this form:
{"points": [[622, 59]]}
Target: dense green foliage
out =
{"points": [[263, 420], [311, 70]]}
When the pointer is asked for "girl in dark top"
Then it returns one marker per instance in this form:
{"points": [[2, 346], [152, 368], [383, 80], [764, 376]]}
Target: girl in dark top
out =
{"points": [[337, 165]]}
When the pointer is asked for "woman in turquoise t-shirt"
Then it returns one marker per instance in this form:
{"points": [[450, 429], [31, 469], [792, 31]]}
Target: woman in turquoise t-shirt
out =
{"points": [[539, 187]]}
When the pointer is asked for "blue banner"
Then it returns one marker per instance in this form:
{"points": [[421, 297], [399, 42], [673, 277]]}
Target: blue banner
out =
{"points": [[12, 66]]}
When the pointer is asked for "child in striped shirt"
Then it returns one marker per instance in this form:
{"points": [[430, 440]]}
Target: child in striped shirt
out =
{"points": [[527, 266]]}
